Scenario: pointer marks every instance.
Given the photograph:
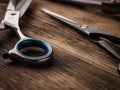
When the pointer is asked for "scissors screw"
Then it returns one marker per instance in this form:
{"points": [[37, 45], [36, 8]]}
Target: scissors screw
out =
{"points": [[84, 26], [13, 14]]}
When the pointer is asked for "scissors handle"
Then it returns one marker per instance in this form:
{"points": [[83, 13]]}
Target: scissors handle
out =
{"points": [[108, 48], [96, 37], [113, 39], [15, 54]]}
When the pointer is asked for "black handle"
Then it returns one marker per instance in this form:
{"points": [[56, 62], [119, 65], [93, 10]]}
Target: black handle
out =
{"points": [[113, 39]]}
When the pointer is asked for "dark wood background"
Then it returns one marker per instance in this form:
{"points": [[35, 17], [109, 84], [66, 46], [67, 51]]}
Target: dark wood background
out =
{"points": [[77, 63]]}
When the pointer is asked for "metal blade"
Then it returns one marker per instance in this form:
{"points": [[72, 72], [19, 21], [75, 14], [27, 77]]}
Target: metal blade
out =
{"points": [[23, 6], [11, 5], [63, 19]]}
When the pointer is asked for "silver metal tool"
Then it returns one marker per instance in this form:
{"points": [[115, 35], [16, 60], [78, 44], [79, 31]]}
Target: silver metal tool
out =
{"points": [[93, 34], [11, 20]]}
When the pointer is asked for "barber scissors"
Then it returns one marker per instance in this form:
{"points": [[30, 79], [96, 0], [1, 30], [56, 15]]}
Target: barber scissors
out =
{"points": [[11, 20], [90, 33], [109, 7]]}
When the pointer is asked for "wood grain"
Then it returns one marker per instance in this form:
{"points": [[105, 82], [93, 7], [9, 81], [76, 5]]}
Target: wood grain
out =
{"points": [[77, 63]]}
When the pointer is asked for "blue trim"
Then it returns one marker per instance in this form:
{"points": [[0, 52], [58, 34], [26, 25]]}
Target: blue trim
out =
{"points": [[33, 42]]}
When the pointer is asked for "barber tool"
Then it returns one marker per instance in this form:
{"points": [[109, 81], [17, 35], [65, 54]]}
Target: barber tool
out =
{"points": [[93, 34], [11, 20], [109, 7]]}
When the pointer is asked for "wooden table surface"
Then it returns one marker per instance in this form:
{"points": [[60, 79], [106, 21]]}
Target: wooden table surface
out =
{"points": [[77, 63]]}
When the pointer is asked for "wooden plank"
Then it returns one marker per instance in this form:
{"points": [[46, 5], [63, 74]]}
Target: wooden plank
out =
{"points": [[77, 63]]}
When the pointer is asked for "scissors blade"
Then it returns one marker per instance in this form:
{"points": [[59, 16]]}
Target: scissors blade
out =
{"points": [[11, 5], [23, 6], [65, 20]]}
